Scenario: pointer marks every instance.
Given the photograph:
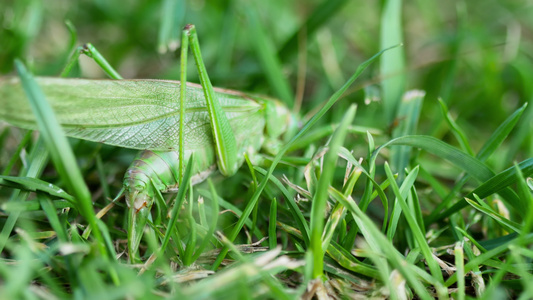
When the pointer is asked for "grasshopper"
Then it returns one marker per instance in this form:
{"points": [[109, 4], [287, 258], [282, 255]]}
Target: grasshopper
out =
{"points": [[167, 120]]}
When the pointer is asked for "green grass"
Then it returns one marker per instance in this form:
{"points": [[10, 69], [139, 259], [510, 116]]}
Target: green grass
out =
{"points": [[438, 206]]}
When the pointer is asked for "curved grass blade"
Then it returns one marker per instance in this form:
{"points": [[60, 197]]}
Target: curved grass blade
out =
{"points": [[34, 185], [38, 159], [61, 154], [471, 165], [456, 130], [72, 53], [489, 211], [495, 184], [494, 141]]}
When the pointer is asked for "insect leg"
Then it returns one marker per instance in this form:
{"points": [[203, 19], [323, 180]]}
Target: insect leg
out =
{"points": [[223, 136], [183, 94], [136, 222], [89, 50]]}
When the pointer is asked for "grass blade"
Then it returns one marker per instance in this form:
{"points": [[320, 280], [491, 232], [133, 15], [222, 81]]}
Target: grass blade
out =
{"points": [[471, 165], [489, 211], [392, 64], [415, 228], [60, 152], [408, 115], [34, 185], [182, 191], [272, 236], [268, 57], [495, 184], [172, 15], [321, 195], [38, 159], [456, 130]]}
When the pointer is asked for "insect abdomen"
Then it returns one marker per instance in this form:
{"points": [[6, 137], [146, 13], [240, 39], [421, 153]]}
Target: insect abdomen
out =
{"points": [[158, 170]]}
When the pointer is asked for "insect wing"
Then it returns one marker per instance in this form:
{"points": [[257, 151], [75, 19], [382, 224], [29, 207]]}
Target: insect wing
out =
{"points": [[137, 114]]}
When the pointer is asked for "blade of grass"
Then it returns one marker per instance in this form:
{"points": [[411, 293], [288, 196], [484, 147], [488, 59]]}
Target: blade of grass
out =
{"points": [[51, 214], [495, 184], [272, 236], [397, 208], [489, 211], [293, 207], [456, 130], [32, 205], [23, 143], [62, 155], [408, 115], [470, 164], [392, 64], [182, 190], [415, 229], [34, 185], [321, 196], [522, 135], [213, 221], [172, 16], [525, 194], [277, 290], [348, 261], [38, 159], [495, 252], [494, 141], [191, 243], [268, 58]]}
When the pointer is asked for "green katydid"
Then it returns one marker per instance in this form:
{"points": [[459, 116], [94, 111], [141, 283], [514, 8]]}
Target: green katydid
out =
{"points": [[157, 116], [169, 121]]}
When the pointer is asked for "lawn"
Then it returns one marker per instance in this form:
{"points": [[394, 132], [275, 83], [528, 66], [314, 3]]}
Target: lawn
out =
{"points": [[396, 162]]}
